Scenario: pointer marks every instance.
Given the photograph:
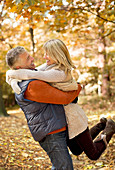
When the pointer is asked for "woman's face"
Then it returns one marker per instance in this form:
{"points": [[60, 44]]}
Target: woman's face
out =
{"points": [[49, 60]]}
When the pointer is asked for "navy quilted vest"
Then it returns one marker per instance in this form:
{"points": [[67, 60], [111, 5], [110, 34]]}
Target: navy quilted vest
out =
{"points": [[42, 118]]}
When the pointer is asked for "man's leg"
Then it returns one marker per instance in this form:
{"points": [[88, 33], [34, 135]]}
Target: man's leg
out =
{"points": [[56, 147]]}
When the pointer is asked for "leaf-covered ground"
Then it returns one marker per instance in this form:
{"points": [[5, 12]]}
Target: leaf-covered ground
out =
{"points": [[18, 150]]}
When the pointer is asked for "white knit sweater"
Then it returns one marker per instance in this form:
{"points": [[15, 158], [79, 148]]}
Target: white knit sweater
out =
{"points": [[75, 116]]}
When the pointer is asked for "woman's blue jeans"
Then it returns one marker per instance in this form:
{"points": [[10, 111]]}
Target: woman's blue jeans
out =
{"points": [[56, 147]]}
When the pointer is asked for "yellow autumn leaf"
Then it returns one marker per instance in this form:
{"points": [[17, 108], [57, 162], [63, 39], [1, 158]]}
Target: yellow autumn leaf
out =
{"points": [[25, 154], [18, 17], [13, 9]]}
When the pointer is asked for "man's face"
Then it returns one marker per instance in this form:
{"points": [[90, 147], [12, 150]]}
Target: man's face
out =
{"points": [[25, 61]]}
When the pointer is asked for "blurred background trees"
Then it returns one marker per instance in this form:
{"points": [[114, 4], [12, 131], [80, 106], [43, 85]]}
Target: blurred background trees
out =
{"points": [[86, 27]]}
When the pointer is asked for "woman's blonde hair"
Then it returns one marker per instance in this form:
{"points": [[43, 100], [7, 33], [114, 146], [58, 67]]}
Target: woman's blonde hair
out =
{"points": [[58, 51]]}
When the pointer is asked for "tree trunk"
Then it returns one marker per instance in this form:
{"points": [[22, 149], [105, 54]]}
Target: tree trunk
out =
{"points": [[103, 63], [2, 107], [105, 72], [32, 39], [102, 52]]}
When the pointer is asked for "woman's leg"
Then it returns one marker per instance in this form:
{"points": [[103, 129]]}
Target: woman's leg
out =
{"points": [[74, 146], [94, 149], [94, 131], [84, 142]]}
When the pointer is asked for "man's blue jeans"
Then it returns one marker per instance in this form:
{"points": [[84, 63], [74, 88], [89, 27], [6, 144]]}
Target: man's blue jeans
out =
{"points": [[56, 147]]}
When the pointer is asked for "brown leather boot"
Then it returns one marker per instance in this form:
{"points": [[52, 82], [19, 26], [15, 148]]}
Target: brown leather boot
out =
{"points": [[103, 120], [95, 130], [108, 132]]}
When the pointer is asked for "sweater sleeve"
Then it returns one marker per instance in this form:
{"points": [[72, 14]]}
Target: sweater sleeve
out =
{"points": [[48, 76], [51, 75], [40, 91]]}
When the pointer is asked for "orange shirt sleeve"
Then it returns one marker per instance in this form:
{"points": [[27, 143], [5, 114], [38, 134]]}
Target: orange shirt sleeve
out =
{"points": [[42, 92]]}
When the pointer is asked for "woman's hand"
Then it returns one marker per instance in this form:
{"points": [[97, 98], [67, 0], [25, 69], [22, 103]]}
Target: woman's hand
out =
{"points": [[15, 86], [9, 76], [20, 74]]}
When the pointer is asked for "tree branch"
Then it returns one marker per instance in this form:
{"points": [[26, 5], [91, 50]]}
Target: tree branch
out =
{"points": [[93, 39], [99, 16], [88, 10], [108, 34]]}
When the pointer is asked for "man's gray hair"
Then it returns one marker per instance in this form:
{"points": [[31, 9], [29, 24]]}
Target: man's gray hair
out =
{"points": [[13, 55]]}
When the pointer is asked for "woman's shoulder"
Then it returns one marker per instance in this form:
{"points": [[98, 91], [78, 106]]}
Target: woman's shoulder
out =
{"points": [[42, 67]]}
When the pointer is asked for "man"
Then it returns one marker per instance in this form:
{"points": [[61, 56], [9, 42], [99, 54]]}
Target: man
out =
{"points": [[43, 109]]}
